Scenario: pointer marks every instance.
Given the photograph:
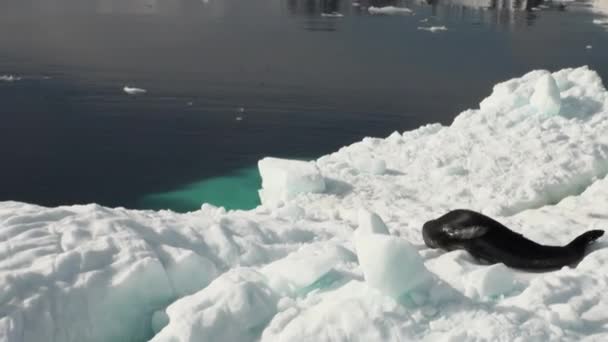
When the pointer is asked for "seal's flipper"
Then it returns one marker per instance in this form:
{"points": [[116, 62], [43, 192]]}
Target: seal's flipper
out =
{"points": [[465, 233], [585, 239]]}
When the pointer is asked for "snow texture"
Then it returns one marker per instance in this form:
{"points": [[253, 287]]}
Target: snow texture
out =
{"points": [[334, 253]]}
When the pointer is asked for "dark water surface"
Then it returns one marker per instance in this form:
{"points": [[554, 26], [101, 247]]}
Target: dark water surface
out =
{"points": [[232, 81]]}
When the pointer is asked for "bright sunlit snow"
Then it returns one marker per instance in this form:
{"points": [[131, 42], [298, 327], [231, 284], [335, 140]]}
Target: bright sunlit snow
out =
{"points": [[335, 251]]}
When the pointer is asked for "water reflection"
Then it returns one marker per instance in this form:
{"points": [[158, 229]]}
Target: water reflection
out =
{"points": [[490, 4], [139, 7], [314, 8]]}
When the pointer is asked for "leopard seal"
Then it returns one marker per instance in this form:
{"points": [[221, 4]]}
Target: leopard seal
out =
{"points": [[487, 239]]}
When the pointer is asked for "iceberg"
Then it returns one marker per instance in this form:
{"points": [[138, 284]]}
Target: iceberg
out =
{"points": [[316, 261]]}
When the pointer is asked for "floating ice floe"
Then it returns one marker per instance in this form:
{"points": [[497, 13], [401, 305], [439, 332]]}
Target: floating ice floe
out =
{"points": [[388, 10], [133, 90], [310, 265], [332, 15], [9, 78], [433, 28]]}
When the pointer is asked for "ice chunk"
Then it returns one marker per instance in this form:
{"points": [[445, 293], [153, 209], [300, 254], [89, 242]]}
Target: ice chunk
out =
{"points": [[9, 78], [371, 223], [332, 15], [433, 28], [390, 264], [133, 90], [304, 267], [491, 281], [546, 97], [283, 179], [389, 10], [234, 307]]}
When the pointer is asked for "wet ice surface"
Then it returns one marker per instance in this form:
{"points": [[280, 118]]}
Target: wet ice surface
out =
{"points": [[347, 261]]}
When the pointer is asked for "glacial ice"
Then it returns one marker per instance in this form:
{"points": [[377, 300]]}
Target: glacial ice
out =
{"points": [[282, 179], [334, 253]]}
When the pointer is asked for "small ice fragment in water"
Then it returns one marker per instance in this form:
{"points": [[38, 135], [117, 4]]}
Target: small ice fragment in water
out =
{"points": [[424, 20], [240, 111], [9, 78], [332, 15], [133, 90], [433, 28], [389, 10], [588, 47]]}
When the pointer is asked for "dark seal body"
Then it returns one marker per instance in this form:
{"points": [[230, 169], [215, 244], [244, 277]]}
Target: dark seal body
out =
{"points": [[487, 239]]}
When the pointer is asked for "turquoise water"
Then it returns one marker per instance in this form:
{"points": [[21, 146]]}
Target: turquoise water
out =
{"points": [[233, 81], [236, 190]]}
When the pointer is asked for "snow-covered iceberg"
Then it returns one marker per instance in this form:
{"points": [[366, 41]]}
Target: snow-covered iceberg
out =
{"points": [[534, 155]]}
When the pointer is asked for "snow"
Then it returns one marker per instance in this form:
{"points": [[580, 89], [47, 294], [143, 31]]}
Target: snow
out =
{"points": [[546, 98], [284, 179], [389, 10], [433, 29], [370, 165], [335, 252], [133, 90]]}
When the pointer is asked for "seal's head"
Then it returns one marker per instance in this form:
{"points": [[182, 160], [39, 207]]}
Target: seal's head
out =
{"points": [[431, 235]]}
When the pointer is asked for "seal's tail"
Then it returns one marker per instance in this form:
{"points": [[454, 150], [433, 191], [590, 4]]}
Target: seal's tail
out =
{"points": [[581, 242]]}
